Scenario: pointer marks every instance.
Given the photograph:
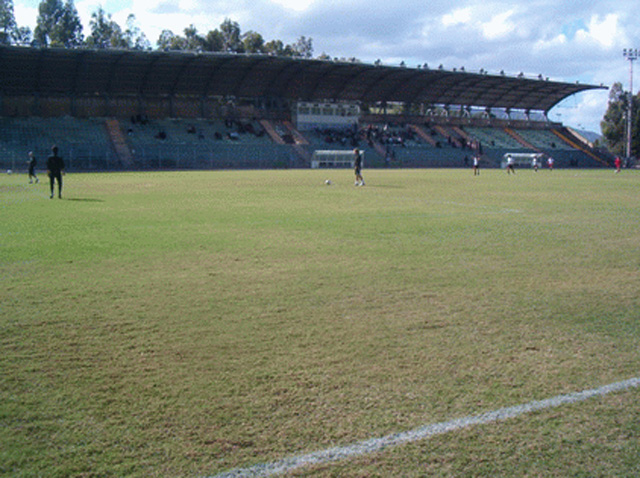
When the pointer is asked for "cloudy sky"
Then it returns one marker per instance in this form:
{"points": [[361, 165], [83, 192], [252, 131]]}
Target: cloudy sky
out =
{"points": [[565, 40]]}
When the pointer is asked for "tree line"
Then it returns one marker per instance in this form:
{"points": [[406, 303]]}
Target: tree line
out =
{"points": [[58, 25], [614, 123]]}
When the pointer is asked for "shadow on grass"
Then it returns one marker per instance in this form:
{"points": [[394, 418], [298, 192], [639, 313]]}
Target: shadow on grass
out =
{"points": [[84, 200]]}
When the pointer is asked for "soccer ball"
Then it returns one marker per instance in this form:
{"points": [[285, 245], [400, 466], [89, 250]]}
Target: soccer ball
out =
{"points": [[9, 171], [328, 182]]}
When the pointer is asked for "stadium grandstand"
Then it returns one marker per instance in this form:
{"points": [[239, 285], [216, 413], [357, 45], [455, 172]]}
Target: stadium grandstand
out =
{"points": [[135, 110]]}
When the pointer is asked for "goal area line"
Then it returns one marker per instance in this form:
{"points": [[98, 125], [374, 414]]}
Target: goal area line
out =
{"points": [[393, 440]]}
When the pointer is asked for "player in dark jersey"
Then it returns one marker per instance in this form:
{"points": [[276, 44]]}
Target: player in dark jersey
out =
{"points": [[357, 167], [32, 168], [55, 170]]}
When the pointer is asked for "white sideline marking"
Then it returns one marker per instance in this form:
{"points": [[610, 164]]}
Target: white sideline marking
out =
{"points": [[377, 444]]}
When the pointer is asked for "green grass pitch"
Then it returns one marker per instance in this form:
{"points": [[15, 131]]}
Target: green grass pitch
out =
{"points": [[184, 324]]}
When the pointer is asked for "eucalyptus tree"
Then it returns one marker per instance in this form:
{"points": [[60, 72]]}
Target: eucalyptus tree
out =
{"points": [[58, 24], [614, 123], [8, 24], [105, 32]]}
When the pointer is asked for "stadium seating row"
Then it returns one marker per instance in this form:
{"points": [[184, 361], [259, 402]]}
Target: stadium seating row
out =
{"points": [[88, 144]]}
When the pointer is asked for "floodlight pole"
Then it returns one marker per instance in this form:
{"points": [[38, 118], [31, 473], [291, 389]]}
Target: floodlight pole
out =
{"points": [[630, 54]]}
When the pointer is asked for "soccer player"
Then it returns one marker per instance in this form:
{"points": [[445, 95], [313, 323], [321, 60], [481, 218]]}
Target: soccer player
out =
{"points": [[357, 167], [510, 167], [55, 170], [476, 165], [32, 168], [618, 164], [534, 163]]}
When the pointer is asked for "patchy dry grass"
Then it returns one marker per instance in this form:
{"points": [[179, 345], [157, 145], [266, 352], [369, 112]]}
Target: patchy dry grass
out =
{"points": [[183, 324]]}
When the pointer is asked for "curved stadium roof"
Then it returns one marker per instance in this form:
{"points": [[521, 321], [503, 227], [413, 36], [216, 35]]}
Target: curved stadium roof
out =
{"points": [[83, 72]]}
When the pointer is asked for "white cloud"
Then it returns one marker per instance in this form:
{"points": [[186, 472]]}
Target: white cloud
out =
{"points": [[296, 5], [583, 111], [188, 5], [548, 46], [499, 26], [25, 15], [461, 16], [85, 9], [154, 16], [604, 32]]}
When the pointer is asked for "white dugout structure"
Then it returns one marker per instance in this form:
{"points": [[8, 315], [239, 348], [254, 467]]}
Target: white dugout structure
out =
{"points": [[522, 159], [334, 159]]}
